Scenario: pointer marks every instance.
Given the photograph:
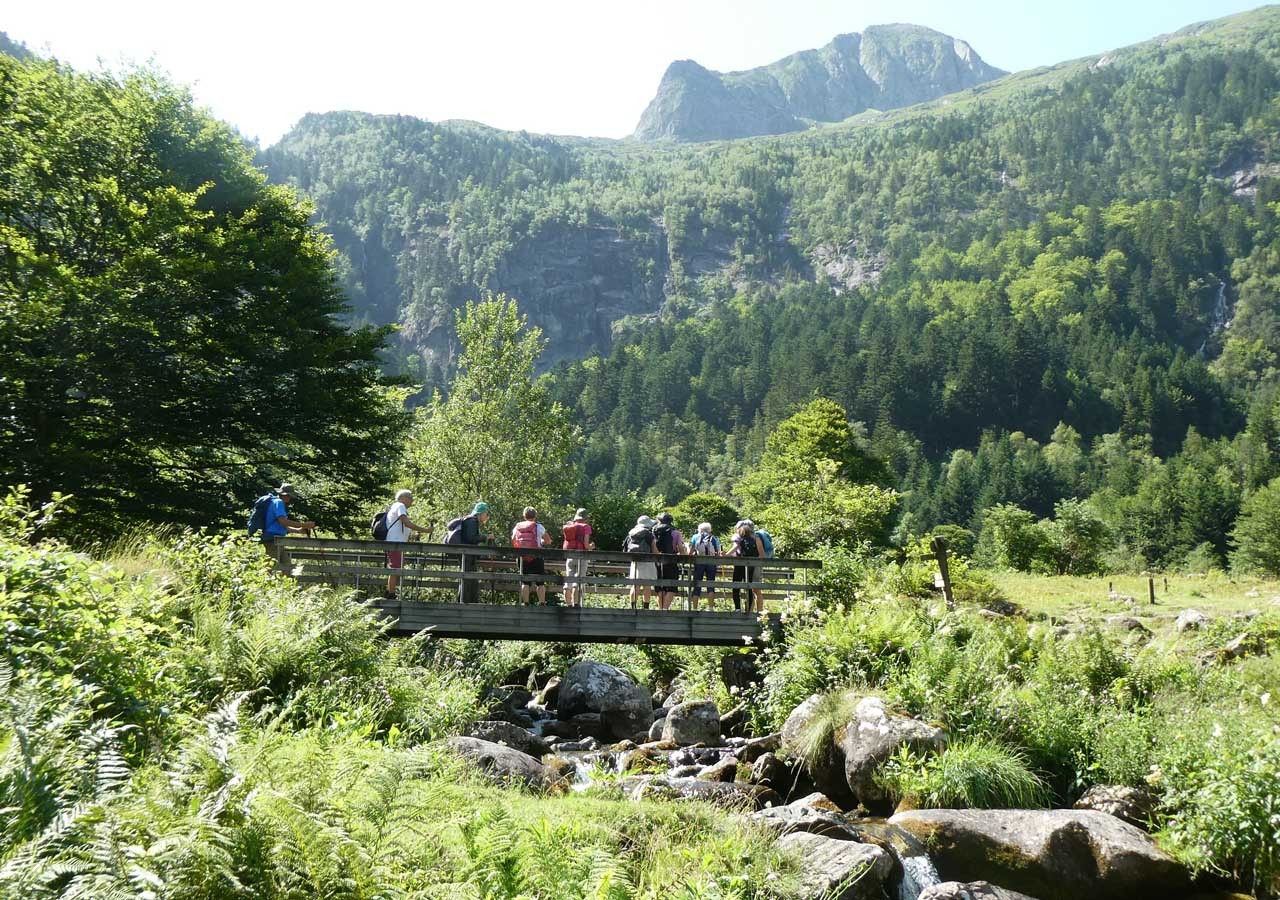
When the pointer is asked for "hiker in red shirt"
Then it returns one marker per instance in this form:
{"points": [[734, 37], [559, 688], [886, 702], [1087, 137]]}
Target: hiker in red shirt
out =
{"points": [[577, 536], [531, 535]]}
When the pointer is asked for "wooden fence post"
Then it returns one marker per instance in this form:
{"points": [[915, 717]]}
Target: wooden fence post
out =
{"points": [[940, 550], [1151, 588]]}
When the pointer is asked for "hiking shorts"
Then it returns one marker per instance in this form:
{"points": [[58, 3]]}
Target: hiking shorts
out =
{"points": [[647, 570], [703, 572], [668, 571], [576, 568], [535, 566]]}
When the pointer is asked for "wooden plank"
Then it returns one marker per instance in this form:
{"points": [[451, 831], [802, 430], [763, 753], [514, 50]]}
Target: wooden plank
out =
{"points": [[576, 625]]}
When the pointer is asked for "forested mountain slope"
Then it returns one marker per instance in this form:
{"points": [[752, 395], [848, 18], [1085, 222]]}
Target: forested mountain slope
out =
{"points": [[1093, 245], [885, 67]]}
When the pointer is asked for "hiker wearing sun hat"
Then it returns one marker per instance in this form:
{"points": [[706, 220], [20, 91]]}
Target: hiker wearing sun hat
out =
{"points": [[466, 530], [640, 540], [275, 522]]}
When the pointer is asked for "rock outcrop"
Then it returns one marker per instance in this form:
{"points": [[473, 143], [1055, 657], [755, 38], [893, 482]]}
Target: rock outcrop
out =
{"points": [[501, 764], [974, 890], [696, 722], [1056, 854], [591, 687], [838, 870], [500, 732], [885, 67]]}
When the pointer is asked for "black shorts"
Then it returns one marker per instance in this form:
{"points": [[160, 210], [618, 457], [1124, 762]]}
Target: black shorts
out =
{"points": [[668, 571], [535, 566]]}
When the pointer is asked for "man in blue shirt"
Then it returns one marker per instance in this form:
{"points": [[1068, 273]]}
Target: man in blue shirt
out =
{"points": [[278, 522]]}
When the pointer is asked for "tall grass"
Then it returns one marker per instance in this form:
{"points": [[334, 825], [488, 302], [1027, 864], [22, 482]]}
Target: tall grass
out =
{"points": [[976, 773]]}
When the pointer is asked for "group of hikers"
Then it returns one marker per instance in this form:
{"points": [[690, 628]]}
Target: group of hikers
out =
{"points": [[659, 536]]}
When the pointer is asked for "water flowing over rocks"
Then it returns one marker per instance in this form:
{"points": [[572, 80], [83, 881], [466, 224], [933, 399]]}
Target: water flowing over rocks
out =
{"points": [[974, 890], [1050, 854], [839, 870], [731, 795]]}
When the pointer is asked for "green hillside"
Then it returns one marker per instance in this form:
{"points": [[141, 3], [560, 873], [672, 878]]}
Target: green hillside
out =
{"points": [[1082, 251]]}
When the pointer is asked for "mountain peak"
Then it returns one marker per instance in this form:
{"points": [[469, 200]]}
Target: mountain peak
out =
{"points": [[884, 67]]}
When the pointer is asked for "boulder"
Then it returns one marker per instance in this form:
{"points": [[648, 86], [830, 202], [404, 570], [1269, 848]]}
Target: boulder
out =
{"points": [[624, 707], [725, 770], [731, 795], [772, 772], [501, 764], [1191, 620], [500, 732], [1124, 623], [735, 721], [591, 725], [823, 765], [685, 771], [655, 730], [973, 890], [838, 870], [641, 761], [872, 736], [557, 728], [1134, 805], [550, 693], [738, 669], [696, 722], [1059, 854], [800, 817], [754, 748]]}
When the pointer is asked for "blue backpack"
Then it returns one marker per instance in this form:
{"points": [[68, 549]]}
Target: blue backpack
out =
{"points": [[767, 540], [258, 515]]}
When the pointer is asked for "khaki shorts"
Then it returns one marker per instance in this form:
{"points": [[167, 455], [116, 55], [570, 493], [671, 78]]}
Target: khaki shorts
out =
{"points": [[647, 570], [576, 568]]}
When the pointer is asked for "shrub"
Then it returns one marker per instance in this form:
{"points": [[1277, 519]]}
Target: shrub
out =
{"points": [[973, 773], [1256, 537]]}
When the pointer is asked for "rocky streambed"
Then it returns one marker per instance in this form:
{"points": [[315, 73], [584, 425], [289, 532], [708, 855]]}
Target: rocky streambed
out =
{"points": [[596, 727]]}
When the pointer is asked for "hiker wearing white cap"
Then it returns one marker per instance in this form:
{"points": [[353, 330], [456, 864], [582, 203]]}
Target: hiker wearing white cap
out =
{"points": [[578, 535], [640, 540]]}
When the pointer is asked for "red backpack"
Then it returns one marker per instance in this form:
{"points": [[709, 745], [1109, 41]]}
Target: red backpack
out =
{"points": [[526, 536], [575, 535]]}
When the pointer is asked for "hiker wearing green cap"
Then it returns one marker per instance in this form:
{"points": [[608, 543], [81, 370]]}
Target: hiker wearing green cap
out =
{"points": [[466, 530]]}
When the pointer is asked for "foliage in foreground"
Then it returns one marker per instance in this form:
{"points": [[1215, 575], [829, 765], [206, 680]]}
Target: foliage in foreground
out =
{"points": [[1038, 716], [181, 722]]}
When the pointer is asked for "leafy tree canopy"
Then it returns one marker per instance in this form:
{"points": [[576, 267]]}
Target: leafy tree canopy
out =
{"points": [[169, 334]]}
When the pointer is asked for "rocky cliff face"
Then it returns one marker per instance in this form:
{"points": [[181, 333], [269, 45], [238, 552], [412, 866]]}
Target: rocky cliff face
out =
{"points": [[885, 67]]}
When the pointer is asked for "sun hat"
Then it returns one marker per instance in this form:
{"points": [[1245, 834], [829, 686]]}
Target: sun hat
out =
{"points": [[290, 490], [645, 521]]}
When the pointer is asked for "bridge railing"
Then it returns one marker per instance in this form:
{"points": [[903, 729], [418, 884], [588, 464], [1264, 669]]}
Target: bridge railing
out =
{"points": [[433, 571]]}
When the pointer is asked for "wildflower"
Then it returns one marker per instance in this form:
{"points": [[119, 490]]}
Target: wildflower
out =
{"points": [[1265, 698]]}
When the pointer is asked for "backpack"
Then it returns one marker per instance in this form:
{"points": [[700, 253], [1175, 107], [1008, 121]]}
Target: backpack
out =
{"points": [[638, 542], [379, 526], [665, 536], [258, 515], [526, 535], [767, 540], [747, 546], [575, 536], [706, 545], [453, 531]]}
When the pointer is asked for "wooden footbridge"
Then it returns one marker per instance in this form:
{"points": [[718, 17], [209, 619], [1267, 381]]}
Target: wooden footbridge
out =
{"points": [[431, 573]]}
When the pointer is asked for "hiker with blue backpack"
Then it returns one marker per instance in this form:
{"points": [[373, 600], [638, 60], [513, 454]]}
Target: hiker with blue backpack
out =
{"points": [[747, 546], [704, 546], [270, 518], [394, 525], [466, 530]]}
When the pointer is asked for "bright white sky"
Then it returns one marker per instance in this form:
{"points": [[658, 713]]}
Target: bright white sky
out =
{"points": [[585, 67]]}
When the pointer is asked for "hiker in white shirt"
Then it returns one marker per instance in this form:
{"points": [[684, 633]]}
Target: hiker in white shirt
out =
{"points": [[399, 527]]}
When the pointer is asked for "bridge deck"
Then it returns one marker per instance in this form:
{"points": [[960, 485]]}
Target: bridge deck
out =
{"points": [[431, 574], [579, 625]]}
